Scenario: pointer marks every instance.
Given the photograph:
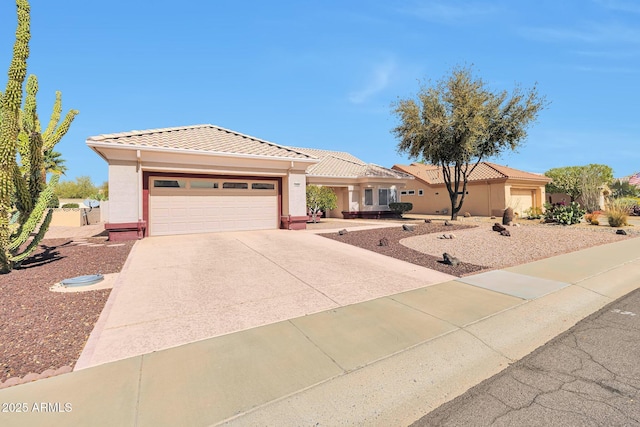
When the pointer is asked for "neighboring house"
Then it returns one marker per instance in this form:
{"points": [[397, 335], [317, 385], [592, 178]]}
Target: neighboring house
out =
{"points": [[490, 189], [206, 178], [364, 190], [200, 178]]}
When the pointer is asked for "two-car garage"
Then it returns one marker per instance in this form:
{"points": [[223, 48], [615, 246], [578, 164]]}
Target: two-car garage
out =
{"points": [[185, 205]]}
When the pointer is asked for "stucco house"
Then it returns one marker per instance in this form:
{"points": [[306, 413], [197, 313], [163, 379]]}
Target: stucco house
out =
{"points": [[205, 178], [364, 190], [490, 189]]}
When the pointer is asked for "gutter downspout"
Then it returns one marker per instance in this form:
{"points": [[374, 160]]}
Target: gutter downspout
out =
{"points": [[139, 172]]}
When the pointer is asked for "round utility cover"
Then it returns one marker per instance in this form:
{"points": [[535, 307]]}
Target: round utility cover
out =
{"points": [[83, 280]]}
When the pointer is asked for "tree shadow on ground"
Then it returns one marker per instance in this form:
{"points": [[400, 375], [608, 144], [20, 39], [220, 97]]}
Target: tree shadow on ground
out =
{"points": [[47, 255]]}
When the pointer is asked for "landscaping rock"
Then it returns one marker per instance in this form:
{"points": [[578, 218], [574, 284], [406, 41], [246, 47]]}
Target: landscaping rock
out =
{"points": [[407, 227], [497, 227], [384, 242], [452, 236], [467, 215], [507, 216], [624, 233], [427, 221], [505, 233], [450, 260], [343, 232], [493, 217], [516, 225], [447, 223]]}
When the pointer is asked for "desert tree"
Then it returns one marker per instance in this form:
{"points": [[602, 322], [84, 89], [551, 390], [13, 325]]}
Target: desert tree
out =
{"points": [[320, 198], [24, 192], [459, 122], [584, 182]]}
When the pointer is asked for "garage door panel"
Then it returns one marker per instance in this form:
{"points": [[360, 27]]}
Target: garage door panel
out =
{"points": [[197, 214], [521, 200]]}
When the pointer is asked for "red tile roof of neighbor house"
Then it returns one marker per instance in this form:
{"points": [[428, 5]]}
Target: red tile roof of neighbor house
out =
{"points": [[344, 165], [483, 172], [205, 138]]}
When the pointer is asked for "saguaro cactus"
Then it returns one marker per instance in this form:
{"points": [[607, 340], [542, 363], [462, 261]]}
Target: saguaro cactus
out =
{"points": [[24, 194]]}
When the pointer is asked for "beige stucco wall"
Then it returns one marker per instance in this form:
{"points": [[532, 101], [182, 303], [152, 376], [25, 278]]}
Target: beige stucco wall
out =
{"points": [[294, 194], [74, 217], [342, 201], [482, 198], [376, 202], [479, 200], [124, 192]]}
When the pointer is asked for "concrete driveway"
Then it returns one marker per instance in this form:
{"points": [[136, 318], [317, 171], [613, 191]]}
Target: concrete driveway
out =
{"points": [[178, 289]]}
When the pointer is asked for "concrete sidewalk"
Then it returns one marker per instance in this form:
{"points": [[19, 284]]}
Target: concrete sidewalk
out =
{"points": [[386, 361]]}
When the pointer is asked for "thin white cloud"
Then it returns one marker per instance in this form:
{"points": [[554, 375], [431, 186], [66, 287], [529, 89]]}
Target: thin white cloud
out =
{"points": [[615, 70], [593, 33], [609, 54], [378, 80], [447, 12], [620, 5]]}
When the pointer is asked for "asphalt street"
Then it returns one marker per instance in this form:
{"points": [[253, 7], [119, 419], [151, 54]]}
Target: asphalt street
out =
{"points": [[587, 376]]}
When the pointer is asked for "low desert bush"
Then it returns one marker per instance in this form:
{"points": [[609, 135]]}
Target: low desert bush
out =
{"points": [[618, 212], [593, 216], [534, 213], [467, 215], [595, 222], [564, 214]]}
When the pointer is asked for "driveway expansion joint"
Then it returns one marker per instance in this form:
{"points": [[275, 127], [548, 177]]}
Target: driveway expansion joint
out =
{"points": [[288, 272]]}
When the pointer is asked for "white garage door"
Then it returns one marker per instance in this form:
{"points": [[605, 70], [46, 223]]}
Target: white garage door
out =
{"points": [[521, 200], [189, 205]]}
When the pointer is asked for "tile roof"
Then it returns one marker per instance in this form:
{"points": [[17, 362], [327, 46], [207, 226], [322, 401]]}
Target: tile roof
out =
{"points": [[341, 164], [484, 171], [205, 138]]}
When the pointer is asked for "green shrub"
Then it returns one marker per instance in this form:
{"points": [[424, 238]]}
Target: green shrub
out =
{"points": [[70, 206], [400, 207], [534, 213], [54, 202], [564, 214]]}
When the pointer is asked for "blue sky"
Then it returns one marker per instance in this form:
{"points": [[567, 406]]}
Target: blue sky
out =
{"points": [[324, 74]]}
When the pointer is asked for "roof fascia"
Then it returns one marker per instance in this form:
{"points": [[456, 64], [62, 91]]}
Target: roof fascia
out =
{"points": [[94, 145]]}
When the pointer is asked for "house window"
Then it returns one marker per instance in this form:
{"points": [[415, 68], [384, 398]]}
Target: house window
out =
{"points": [[169, 183], [383, 196], [262, 186], [204, 184], [368, 196], [235, 185], [420, 192], [411, 192], [404, 193]]}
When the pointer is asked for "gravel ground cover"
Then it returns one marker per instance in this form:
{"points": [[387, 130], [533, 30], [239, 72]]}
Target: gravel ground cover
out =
{"points": [[477, 246], [370, 239], [42, 330], [483, 246]]}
